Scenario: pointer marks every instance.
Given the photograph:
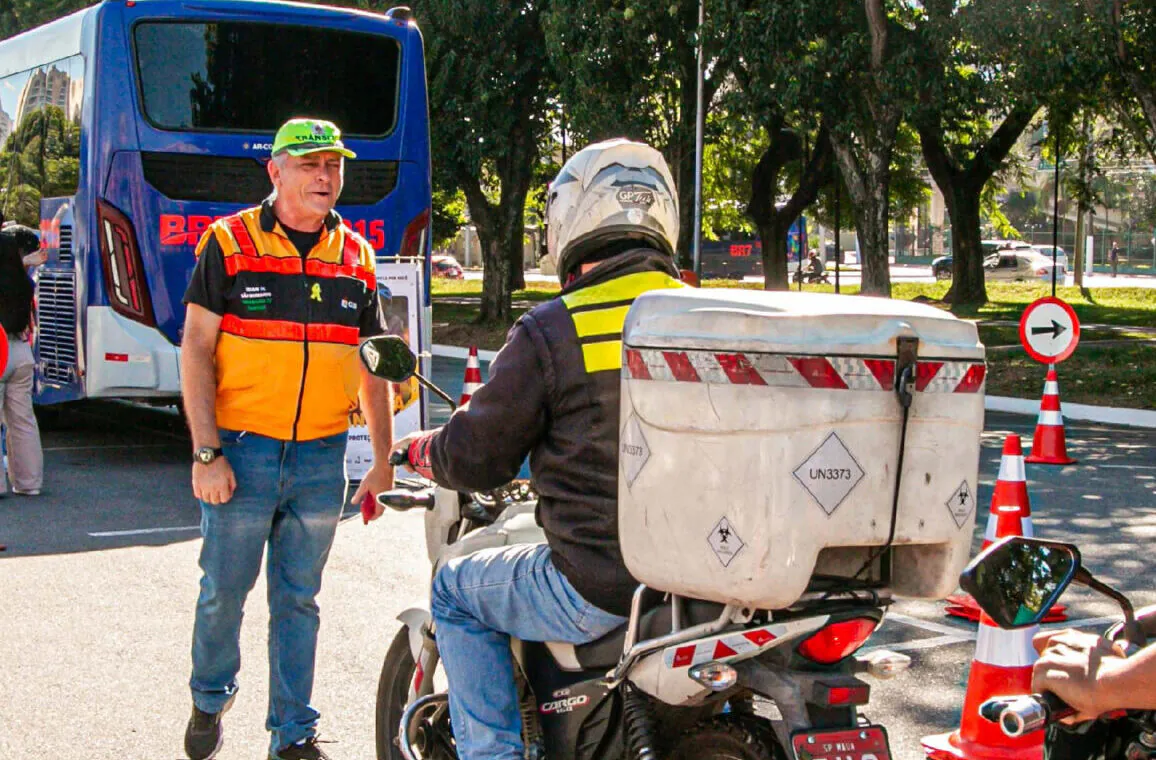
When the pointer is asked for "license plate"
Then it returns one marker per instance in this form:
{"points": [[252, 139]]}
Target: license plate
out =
{"points": [[866, 743]]}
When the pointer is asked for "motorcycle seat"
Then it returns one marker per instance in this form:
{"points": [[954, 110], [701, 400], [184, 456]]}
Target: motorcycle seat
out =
{"points": [[604, 653]]}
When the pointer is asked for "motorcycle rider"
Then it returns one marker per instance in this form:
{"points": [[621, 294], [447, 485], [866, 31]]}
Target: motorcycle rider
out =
{"points": [[553, 394], [1092, 675]]}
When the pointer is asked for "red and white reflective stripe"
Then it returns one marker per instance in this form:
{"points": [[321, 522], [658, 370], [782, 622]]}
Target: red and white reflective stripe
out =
{"points": [[1008, 649], [1012, 469], [1050, 418], [743, 643], [989, 533], [790, 371]]}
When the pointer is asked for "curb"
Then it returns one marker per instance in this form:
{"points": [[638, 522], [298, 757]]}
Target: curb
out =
{"points": [[461, 352], [1107, 415], [1103, 414]]}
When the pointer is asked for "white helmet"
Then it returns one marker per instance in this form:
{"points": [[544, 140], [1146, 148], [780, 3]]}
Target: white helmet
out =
{"points": [[610, 191]]}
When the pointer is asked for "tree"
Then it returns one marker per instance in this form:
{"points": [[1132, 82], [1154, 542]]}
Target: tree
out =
{"points": [[875, 77], [21, 15], [1126, 33], [628, 68], [489, 122]]}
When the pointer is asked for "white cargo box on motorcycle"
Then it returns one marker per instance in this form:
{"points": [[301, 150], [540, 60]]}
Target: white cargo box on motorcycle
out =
{"points": [[760, 434]]}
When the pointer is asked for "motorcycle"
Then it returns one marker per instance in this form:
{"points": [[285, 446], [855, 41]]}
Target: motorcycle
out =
{"points": [[683, 678], [809, 277], [1016, 581]]}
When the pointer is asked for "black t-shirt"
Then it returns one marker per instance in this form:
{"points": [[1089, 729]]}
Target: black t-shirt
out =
{"points": [[302, 241], [15, 288]]}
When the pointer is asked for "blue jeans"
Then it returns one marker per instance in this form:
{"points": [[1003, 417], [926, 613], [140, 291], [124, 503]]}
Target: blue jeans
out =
{"points": [[478, 602], [289, 497]]}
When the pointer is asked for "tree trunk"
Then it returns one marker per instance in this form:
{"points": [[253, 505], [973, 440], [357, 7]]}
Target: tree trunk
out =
{"points": [[495, 278], [773, 234], [869, 185], [967, 283], [1078, 254]]}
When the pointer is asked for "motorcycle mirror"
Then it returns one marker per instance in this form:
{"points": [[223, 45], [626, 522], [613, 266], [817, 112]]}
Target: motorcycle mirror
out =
{"points": [[388, 357], [1017, 580]]}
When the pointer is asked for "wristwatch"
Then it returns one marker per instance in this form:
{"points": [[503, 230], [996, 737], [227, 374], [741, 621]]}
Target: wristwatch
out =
{"points": [[206, 454]]}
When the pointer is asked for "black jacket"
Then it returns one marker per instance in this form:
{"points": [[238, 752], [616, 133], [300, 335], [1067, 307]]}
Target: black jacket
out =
{"points": [[15, 287], [553, 393]]}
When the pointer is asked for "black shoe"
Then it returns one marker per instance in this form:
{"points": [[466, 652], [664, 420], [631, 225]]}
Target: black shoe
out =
{"points": [[203, 735], [306, 750]]}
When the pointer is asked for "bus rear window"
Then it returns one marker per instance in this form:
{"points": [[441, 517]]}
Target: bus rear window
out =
{"points": [[252, 77]]}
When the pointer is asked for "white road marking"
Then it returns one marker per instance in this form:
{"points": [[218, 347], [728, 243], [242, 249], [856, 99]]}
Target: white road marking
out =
{"points": [[917, 644], [958, 636], [142, 531], [928, 625], [1128, 466]]}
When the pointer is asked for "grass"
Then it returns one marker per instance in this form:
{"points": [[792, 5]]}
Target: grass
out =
{"points": [[1121, 376], [1111, 375]]}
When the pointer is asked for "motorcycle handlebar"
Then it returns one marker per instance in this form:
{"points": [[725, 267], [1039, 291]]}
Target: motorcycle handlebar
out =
{"points": [[403, 501], [398, 458], [1025, 713]]}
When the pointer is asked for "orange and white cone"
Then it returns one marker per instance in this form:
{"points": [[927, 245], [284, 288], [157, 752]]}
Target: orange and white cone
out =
{"points": [[1048, 444], [473, 378], [1002, 667], [1011, 492]]}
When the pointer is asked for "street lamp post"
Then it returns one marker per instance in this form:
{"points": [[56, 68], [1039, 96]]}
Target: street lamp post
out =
{"points": [[698, 140]]}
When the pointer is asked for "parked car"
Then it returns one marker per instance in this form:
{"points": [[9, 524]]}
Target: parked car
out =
{"points": [[1061, 257], [995, 246], [941, 268], [1017, 265], [447, 267]]}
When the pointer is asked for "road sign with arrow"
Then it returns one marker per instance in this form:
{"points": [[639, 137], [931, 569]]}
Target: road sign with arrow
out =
{"points": [[1049, 330]]}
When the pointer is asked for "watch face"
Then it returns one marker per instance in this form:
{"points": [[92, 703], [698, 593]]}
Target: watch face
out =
{"points": [[205, 456]]}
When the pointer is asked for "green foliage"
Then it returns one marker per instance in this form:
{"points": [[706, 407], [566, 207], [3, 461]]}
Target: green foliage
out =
{"points": [[21, 15], [39, 161]]}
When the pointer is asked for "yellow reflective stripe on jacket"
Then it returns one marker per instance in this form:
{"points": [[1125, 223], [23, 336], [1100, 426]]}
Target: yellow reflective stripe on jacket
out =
{"points": [[601, 321], [625, 288], [603, 355], [600, 329]]}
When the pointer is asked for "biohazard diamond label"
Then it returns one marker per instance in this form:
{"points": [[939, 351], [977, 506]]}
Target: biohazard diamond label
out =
{"points": [[961, 503], [829, 474], [633, 452], [725, 542]]}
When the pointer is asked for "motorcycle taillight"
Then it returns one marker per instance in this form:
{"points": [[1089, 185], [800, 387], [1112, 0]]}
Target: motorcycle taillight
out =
{"points": [[124, 277], [837, 640], [413, 239]]}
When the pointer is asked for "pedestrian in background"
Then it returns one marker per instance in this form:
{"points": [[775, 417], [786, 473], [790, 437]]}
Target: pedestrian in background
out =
{"points": [[25, 456], [279, 299], [1114, 257]]}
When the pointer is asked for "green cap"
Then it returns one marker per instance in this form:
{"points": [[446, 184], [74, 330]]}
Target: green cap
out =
{"points": [[301, 136]]}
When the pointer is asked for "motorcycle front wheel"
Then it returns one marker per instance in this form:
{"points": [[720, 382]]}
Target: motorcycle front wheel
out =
{"points": [[727, 738], [397, 673]]}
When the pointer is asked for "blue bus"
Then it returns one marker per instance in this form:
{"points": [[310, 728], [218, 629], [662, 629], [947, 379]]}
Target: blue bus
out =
{"points": [[128, 127], [742, 257]]}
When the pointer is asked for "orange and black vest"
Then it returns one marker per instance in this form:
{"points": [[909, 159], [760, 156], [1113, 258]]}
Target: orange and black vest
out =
{"points": [[286, 358]]}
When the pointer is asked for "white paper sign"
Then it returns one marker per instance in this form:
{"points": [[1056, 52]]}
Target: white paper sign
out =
{"points": [[399, 287]]}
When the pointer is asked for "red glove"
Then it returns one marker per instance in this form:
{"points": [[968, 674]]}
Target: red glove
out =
{"points": [[418, 455]]}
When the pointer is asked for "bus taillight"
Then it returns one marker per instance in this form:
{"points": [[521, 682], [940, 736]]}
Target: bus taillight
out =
{"points": [[123, 271], [413, 239]]}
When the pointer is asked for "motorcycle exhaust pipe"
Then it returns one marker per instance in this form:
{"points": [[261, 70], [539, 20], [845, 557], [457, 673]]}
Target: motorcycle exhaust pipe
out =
{"points": [[407, 731]]}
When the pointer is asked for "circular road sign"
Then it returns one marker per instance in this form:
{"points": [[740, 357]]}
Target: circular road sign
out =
{"points": [[1049, 330]]}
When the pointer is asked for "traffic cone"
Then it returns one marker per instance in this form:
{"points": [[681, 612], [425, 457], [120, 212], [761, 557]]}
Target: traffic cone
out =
{"points": [[1048, 446], [1002, 667], [473, 379], [1011, 491]]}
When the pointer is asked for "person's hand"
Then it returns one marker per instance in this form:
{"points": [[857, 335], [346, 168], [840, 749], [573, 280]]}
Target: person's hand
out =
{"points": [[214, 483], [1072, 666], [377, 480], [403, 444]]}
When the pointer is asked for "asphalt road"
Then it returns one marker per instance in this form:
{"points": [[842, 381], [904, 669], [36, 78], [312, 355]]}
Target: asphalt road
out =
{"points": [[100, 577], [910, 273]]}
